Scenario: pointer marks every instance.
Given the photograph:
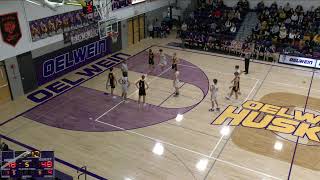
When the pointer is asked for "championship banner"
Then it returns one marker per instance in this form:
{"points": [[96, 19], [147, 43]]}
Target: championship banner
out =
{"points": [[10, 28], [299, 61], [81, 34], [50, 26], [62, 61]]}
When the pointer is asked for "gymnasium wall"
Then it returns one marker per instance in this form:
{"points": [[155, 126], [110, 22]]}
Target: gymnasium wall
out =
{"points": [[253, 3], [28, 12]]}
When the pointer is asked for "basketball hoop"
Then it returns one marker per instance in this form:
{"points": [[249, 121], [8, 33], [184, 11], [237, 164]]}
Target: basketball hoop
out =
{"points": [[114, 36]]}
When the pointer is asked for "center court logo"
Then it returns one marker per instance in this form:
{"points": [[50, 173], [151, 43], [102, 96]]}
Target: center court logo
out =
{"points": [[273, 118]]}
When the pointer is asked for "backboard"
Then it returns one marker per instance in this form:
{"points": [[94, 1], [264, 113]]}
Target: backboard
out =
{"points": [[107, 26]]}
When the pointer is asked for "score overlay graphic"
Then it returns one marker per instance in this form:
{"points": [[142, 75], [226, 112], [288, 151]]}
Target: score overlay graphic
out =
{"points": [[24, 164]]}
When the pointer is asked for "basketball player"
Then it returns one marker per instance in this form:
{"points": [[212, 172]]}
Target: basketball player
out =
{"points": [[235, 86], [176, 82], [124, 67], [125, 85], [151, 60], [175, 62], [237, 69], [163, 61], [142, 85], [214, 93], [111, 81]]}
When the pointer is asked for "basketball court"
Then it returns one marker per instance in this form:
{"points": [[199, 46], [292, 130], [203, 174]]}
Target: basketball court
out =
{"points": [[171, 137]]}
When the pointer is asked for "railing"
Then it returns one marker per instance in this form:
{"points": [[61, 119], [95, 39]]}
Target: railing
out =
{"points": [[84, 169]]}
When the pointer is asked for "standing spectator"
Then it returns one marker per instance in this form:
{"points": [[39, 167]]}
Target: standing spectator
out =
{"points": [[150, 29], [157, 27]]}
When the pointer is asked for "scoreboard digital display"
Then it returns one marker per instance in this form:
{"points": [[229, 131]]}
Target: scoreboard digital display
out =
{"points": [[27, 164]]}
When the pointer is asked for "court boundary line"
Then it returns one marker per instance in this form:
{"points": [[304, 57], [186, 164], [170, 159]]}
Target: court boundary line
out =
{"points": [[116, 63], [171, 94], [185, 149], [271, 82], [297, 141], [235, 58], [153, 79], [74, 167], [237, 126], [22, 113], [252, 89]]}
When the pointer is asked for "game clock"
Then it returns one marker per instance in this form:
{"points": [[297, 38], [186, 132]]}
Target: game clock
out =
{"points": [[27, 164]]}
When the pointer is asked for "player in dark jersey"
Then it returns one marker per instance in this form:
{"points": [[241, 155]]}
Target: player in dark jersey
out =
{"points": [[175, 62], [235, 86], [142, 85], [151, 60], [112, 82]]}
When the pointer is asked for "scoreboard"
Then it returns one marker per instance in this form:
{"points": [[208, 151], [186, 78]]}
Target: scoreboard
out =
{"points": [[27, 164]]}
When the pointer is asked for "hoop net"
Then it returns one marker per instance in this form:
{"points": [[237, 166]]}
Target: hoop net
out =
{"points": [[113, 35]]}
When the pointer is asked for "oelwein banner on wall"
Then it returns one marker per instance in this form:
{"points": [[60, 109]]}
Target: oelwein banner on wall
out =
{"points": [[62, 61], [299, 61]]}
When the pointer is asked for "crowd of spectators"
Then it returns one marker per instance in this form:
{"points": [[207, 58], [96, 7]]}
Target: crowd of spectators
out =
{"points": [[212, 26], [287, 29], [159, 29]]}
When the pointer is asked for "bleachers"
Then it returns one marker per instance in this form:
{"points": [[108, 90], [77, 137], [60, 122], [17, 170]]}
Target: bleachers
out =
{"points": [[213, 28], [291, 30]]}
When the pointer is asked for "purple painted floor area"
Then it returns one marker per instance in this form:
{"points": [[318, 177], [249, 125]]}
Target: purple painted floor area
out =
{"points": [[189, 73], [81, 106], [77, 109]]}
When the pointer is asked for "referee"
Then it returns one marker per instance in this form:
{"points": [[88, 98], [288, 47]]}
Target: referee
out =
{"points": [[247, 56]]}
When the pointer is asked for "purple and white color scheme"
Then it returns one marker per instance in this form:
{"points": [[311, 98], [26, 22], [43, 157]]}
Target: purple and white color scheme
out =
{"points": [[58, 63], [78, 108]]}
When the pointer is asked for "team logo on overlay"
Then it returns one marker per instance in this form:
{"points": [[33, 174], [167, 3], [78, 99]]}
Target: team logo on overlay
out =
{"points": [[258, 115], [10, 28]]}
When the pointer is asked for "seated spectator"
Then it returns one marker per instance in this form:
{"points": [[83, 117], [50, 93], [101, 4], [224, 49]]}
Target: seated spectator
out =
{"points": [[275, 29], [294, 17], [287, 8], [213, 26], [260, 6], [300, 19], [233, 28], [291, 36], [217, 13], [228, 24], [240, 3], [238, 16], [246, 5], [264, 25], [282, 15], [283, 33], [256, 29]]}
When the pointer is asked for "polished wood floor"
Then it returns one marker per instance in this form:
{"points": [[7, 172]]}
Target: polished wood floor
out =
{"points": [[192, 147]]}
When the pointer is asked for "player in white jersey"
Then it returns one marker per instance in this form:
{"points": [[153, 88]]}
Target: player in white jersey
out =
{"points": [[176, 83], [237, 69], [163, 61], [124, 85], [124, 67], [214, 94]]}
